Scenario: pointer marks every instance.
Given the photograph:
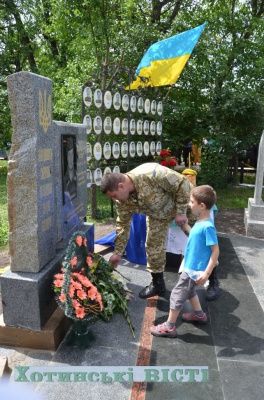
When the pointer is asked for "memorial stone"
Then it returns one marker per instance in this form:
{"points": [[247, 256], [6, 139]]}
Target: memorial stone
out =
{"points": [[47, 199], [254, 214]]}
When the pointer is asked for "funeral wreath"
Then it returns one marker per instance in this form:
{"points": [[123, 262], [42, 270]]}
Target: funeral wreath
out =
{"points": [[88, 287]]}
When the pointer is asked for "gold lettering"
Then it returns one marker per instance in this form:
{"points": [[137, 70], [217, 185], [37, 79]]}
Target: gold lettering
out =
{"points": [[46, 224], [44, 155], [45, 172], [45, 190], [46, 207]]}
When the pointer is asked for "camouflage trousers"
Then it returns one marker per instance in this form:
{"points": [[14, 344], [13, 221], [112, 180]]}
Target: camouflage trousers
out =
{"points": [[156, 244], [156, 241]]}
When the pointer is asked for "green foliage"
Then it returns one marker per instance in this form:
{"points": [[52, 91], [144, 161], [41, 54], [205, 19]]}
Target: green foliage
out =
{"points": [[213, 161], [104, 210], [219, 94], [3, 168]]}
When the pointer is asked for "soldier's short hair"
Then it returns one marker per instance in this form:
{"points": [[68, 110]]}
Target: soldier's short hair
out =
{"points": [[204, 194], [110, 181]]}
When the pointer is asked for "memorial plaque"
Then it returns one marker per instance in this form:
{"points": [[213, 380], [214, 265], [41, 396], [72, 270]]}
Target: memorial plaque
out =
{"points": [[117, 101], [87, 96], [116, 150], [69, 168]]}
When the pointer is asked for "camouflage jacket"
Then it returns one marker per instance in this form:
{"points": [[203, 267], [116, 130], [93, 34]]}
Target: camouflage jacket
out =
{"points": [[161, 193]]}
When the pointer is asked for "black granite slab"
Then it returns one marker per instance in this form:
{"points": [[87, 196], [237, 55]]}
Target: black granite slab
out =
{"points": [[231, 344]]}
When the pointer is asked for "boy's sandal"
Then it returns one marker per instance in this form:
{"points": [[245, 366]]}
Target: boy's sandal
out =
{"points": [[163, 330]]}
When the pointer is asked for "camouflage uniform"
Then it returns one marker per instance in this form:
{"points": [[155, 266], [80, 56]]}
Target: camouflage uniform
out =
{"points": [[161, 193]]}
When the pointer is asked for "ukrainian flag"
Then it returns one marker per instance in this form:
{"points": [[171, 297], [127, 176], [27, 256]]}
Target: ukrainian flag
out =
{"points": [[165, 60]]}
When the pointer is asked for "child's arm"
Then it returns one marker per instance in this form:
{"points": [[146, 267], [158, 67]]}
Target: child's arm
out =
{"points": [[186, 229], [212, 263]]}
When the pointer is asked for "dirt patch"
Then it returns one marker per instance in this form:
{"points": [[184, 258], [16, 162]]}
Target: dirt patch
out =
{"points": [[226, 221], [230, 221], [104, 229]]}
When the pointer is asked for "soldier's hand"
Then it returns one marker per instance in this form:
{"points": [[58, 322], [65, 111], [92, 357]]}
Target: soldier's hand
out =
{"points": [[181, 220], [115, 260]]}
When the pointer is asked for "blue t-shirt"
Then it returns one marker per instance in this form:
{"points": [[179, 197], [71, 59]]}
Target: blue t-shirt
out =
{"points": [[198, 250]]}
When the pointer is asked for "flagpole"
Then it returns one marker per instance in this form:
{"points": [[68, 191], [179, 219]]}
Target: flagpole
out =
{"points": [[168, 92]]}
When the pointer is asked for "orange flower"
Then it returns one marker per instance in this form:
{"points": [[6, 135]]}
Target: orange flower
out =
{"points": [[58, 282], [62, 297], [99, 299], [85, 242], [89, 261], [81, 294], [73, 261], [79, 240], [71, 291], [76, 304], [85, 282], [92, 292], [77, 285], [80, 312], [58, 276]]}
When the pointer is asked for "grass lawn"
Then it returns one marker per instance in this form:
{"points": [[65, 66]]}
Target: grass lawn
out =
{"points": [[234, 197], [3, 213]]}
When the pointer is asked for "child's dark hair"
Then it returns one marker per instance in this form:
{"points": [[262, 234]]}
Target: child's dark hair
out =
{"points": [[204, 194]]}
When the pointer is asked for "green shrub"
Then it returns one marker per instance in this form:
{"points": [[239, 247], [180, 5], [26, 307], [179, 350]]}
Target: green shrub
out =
{"points": [[213, 168], [104, 211], [3, 167]]}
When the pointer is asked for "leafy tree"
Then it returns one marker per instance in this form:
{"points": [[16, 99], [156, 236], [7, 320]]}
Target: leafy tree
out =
{"points": [[75, 41]]}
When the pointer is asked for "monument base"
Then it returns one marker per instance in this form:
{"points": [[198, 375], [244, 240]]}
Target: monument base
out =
{"points": [[48, 338], [28, 299], [254, 219]]}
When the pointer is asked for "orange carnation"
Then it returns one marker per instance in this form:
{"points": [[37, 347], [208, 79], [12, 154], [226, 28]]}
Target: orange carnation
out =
{"points": [[73, 261], [75, 304], [77, 285], [71, 291], [85, 282], [80, 312], [92, 293], [58, 282], [62, 297], [89, 260], [58, 276], [81, 294]]}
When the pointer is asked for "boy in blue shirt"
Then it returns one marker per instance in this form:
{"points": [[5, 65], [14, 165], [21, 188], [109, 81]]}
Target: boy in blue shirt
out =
{"points": [[200, 257]]}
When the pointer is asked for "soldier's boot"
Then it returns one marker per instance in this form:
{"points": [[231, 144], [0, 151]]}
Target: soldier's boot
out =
{"points": [[157, 286], [213, 291]]}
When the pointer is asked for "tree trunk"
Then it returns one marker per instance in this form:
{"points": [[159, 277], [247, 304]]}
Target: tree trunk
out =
{"points": [[93, 202], [235, 170]]}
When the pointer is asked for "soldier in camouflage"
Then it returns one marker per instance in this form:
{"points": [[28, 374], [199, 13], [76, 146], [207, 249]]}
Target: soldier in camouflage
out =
{"points": [[157, 192]]}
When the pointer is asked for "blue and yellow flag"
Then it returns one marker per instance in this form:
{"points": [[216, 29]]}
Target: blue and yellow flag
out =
{"points": [[165, 60]]}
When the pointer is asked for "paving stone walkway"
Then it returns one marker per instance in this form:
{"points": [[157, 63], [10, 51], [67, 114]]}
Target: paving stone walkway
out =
{"points": [[231, 344]]}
